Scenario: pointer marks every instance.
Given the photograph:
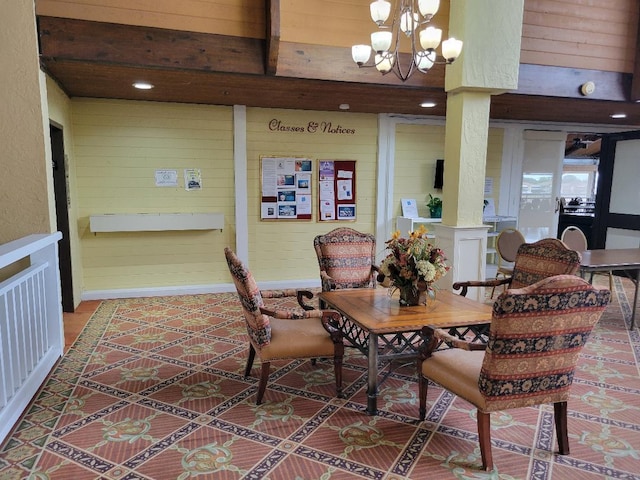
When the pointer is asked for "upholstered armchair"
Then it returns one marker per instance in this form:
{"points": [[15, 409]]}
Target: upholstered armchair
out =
{"points": [[346, 259], [533, 262], [535, 338], [284, 334]]}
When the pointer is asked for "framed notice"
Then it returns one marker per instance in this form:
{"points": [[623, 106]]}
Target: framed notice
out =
{"points": [[336, 190], [286, 188]]}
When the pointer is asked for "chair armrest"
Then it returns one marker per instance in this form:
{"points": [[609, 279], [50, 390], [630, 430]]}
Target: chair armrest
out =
{"points": [[302, 294], [331, 323], [479, 283], [327, 282], [291, 313], [433, 337], [287, 292], [330, 318]]}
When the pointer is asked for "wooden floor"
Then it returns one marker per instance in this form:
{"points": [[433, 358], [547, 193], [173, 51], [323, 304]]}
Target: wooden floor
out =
{"points": [[75, 322]]}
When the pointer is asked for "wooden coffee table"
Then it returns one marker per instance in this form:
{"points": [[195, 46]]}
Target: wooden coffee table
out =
{"points": [[372, 317]]}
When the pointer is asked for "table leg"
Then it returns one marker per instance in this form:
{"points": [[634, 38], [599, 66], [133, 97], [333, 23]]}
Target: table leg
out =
{"points": [[635, 300], [372, 375]]}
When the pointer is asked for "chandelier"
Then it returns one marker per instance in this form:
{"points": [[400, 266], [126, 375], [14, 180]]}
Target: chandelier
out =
{"points": [[410, 16]]}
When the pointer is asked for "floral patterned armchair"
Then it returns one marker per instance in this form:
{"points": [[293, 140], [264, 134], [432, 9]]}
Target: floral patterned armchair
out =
{"points": [[284, 334], [534, 261], [535, 339], [346, 259]]}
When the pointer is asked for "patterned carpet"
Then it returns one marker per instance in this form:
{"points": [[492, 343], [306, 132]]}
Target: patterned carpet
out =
{"points": [[154, 389]]}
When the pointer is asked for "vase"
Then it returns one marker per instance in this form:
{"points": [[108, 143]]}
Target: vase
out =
{"points": [[411, 296], [435, 212]]}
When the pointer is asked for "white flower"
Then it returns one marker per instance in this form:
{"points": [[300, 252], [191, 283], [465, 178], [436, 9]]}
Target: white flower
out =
{"points": [[426, 270]]}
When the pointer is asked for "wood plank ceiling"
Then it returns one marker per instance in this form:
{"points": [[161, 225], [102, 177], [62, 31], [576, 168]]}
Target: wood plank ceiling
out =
{"points": [[102, 60]]}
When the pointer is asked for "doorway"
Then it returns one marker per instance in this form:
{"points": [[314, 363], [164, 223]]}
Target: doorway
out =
{"points": [[617, 206], [62, 215], [541, 178]]}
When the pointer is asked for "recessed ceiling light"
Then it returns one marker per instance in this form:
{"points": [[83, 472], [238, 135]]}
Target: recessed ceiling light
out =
{"points": [[143, 86], [428, 104], [344, 106], [618, 115]]}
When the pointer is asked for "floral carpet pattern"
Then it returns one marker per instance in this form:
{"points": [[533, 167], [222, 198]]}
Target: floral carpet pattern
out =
{"points": [[154, 389]]}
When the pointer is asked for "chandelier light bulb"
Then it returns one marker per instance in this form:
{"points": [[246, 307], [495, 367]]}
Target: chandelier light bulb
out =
{"points": [[384, 62], [406, 25], [451, 49], [381, 40], [430, 38], [360, 53], [428, 8], [380, 11], [425, 60]]}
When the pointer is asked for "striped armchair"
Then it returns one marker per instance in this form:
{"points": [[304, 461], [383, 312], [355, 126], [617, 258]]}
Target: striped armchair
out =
{"points": [[283, 334], [534, 261], [535, 339], [346, 259]]}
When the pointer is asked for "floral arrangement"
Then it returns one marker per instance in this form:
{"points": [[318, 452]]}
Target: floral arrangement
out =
{"points": [[413, 264]]}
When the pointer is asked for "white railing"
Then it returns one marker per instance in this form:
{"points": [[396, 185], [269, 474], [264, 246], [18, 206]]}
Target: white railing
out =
{"points": [[31, 329]]}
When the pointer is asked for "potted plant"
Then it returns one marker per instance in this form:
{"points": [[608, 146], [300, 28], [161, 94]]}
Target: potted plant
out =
{"points": [[435, 206]]}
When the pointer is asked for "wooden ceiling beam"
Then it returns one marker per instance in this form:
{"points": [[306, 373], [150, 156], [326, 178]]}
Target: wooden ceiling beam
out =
{"points": [[108, 43], [93, 59], [272, 35]]}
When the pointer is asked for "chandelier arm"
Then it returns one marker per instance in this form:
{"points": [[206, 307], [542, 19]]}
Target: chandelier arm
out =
{"points": [[397, 23]]}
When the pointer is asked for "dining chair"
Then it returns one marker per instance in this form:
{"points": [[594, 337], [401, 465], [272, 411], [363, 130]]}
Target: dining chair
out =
{"points": [[346, 259], [575, 239], [535, 338], [533, 262], [284, 334], [507, 244]]}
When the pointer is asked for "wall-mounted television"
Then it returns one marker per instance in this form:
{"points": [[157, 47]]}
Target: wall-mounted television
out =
{"points": [[439, 180]]}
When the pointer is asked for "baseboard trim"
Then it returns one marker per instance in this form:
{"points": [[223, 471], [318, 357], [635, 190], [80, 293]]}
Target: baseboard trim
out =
{"points": [[191, 289]]}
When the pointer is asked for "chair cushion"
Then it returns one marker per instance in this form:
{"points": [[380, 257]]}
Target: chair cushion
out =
{"points": [[466, 365], [258, 326], [542, 259], [535, 338], [301, 338]]}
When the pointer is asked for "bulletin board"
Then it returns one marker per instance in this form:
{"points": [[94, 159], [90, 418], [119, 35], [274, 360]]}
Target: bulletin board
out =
{"points": [[286, 188], [336, 190]]}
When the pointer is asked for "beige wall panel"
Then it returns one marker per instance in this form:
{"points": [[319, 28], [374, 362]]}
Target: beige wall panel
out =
{"points": [[339, 23], [280, 250], [118, 147], [24, 206], [242, 18], [417, 149], [580, 34]]}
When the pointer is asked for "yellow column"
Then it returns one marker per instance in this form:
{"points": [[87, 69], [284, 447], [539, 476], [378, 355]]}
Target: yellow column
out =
{"points": [[491, 31]]}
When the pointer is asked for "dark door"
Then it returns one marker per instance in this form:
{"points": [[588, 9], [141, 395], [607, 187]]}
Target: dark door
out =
{"points": [[617, 213], [62, 216]]}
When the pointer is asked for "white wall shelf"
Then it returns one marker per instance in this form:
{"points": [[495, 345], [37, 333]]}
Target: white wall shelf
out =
{"points": [[407, 224], [155, 222]]}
